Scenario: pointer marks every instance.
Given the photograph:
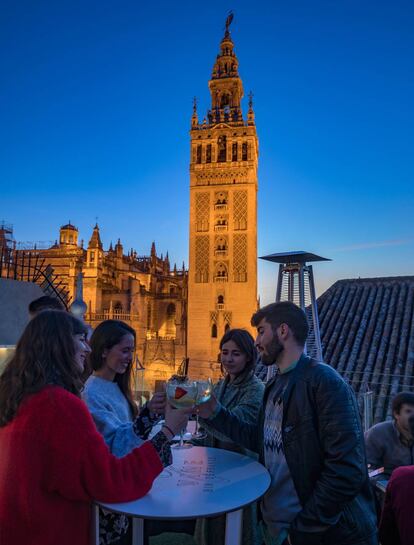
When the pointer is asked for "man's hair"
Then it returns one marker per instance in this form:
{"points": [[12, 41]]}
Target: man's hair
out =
{"points": [[45, 303], [287, 313], [400, 399]]}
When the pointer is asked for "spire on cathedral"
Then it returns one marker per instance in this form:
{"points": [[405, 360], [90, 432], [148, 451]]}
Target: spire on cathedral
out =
{"points": [[153, 250], [118, 248], [95, 241]]}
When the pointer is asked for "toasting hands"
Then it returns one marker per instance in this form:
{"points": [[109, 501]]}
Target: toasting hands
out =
{"points": [[205, 410], [157, 403]]}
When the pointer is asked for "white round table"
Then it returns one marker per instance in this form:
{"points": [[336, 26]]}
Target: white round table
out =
{"points": [[201, 482]]}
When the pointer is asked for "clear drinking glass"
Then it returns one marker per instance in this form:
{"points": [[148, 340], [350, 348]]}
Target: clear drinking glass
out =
{"points": [[181, 394], [204, 390]]}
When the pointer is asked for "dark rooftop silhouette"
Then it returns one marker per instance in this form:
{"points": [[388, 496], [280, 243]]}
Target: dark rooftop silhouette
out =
{"points": [[367, 331]]}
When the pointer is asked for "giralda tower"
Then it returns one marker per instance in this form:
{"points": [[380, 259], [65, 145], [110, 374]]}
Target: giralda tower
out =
{"points": [[222, 284]]}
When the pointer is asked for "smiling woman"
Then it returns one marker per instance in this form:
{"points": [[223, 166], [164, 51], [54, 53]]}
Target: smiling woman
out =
{"points": [[109, 398], [50, 449], [241, 393]]}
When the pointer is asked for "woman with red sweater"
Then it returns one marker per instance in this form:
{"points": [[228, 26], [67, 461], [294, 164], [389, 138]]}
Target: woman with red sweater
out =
{"points": [[53, 461]]}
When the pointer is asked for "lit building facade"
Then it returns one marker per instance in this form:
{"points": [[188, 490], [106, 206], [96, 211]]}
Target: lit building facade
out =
{"points": [[143, 291], [222, 282]]}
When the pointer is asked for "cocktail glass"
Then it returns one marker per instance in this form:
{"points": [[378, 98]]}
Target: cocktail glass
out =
{"points": [[181, 394], [204, 390]]}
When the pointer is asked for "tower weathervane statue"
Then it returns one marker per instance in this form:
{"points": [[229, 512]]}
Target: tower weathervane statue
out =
{"points": [[229, 21]]}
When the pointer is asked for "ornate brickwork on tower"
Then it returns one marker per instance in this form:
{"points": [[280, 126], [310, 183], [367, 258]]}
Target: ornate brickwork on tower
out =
{"points": [[222, 283]]}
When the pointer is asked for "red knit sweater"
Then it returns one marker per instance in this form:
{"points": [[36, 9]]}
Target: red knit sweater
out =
{"points": [[397, 520], [53, 463]]}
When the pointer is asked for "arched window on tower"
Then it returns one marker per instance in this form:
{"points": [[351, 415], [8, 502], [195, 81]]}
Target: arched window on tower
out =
{"points": [[234, 152], [214, 331], [222, 149], [198, 159], [244, 151], [226, 327], [220, 247], [225, 100], [208, 153], [221, 274]]}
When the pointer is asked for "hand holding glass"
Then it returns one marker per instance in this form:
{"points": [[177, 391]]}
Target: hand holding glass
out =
{"points": [[204, 390]]}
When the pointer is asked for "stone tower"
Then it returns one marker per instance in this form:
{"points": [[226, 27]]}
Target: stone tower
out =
{"points": [[222, 283]]}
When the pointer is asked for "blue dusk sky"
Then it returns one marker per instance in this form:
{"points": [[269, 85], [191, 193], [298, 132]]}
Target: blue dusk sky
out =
{"points": [[95, 108]]}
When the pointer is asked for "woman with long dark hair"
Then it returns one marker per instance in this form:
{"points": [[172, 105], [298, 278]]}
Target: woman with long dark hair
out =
{"points": [[53, 462], [109, 398], [241, 393]]}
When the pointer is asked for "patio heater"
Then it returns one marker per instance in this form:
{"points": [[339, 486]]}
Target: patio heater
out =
{"points": [[295, 283]]}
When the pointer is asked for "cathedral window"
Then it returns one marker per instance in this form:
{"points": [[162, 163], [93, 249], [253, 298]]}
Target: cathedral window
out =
{"points": [[214, 331], [244, 151], [226, 327], [234, 152], [118, 309], [222, 149], [168, 329]]}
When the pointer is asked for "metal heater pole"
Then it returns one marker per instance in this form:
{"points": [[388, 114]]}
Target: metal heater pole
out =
{"points": [[279, 284], [315, 318]]}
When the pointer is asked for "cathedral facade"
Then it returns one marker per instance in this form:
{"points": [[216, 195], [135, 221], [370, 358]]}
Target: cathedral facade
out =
{"points": [[143, 291], [222, 282]]}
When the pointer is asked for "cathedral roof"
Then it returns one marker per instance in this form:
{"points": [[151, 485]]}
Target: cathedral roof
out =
{"points": [[367, 333], [69, 226]]}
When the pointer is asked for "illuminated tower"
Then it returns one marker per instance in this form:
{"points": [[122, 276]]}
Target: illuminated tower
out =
{"points": [[222, 284]]}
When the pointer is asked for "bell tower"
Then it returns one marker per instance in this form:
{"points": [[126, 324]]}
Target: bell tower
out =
{"points": [[222, 284]]}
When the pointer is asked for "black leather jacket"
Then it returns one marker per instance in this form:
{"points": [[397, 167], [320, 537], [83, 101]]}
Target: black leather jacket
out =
{"points": [[324, 449]]}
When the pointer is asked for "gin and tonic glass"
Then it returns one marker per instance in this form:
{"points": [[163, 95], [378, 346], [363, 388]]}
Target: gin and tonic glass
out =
{"points": [[181, 393], [204, 390]]}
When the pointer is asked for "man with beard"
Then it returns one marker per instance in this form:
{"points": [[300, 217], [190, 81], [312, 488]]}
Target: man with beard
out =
{"points": [[310, 439]]}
